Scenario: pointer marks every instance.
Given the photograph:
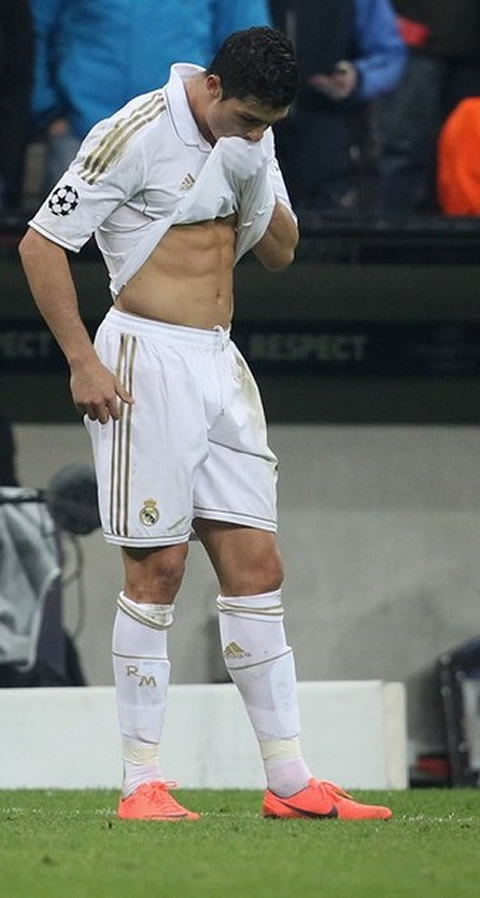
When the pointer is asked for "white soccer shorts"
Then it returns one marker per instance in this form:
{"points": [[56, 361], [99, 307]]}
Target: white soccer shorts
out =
{"points": [[193, 444]]}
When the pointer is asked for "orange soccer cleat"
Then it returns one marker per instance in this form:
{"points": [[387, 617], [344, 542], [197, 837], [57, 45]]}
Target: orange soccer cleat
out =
{"points": [[321, 800], [152, 801]]}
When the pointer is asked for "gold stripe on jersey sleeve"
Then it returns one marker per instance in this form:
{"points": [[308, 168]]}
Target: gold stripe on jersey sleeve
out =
{"points": [[113, 142], [116, 130], [117, 149]]}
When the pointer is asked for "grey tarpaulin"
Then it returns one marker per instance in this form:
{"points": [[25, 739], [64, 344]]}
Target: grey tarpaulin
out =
{"points": [[29, 568]]}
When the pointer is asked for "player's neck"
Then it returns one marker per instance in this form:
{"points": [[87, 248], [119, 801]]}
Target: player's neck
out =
{"points": [[198, 100]]}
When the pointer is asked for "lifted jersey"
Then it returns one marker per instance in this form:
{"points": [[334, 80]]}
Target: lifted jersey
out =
{"points": [[135, 169]]}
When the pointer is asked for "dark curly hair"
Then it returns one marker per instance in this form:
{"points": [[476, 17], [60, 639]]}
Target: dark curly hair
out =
{"points": [[258, 62]]}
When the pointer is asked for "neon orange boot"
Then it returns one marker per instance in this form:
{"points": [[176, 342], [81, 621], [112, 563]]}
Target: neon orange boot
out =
{"points": [[321, 800], [152, 801]]}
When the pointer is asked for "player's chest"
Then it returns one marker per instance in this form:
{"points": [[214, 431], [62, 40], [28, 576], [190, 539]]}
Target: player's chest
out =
{"points": [[170, 179]]}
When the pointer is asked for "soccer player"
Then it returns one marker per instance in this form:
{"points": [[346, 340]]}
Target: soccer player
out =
{"points": [[176, 187]]}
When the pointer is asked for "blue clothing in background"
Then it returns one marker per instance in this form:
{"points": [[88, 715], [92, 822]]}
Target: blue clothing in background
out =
{"points": [[92, 56], [380, 53]]}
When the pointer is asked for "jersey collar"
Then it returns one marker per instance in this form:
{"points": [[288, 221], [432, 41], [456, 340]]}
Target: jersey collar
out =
{"points": [[180, 112]]}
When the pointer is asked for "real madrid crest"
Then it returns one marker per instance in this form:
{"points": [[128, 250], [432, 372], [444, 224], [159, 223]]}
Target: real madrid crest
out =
{"points": [[149, 513]]}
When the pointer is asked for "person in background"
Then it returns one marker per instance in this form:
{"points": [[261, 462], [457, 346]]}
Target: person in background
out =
{"points": [[349, 52], [458, 160], [16, 65], [92, 57], [443, 68]]}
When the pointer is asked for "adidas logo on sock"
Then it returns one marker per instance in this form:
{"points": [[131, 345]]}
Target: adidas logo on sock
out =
{"points": [[233, 652]]}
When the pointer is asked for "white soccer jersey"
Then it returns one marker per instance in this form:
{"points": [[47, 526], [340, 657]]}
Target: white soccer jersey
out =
{"points": [[131, 180]]}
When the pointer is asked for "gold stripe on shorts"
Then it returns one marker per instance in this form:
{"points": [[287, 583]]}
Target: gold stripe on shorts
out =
{"points": [[113, 458], [128, 425], [121, 441]]}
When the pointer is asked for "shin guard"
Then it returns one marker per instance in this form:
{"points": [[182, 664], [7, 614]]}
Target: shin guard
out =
{"points": [[260, 662]]}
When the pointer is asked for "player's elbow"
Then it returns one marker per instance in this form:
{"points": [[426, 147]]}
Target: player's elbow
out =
{"points": [[279, 260], [35, 246], [29, 245], [23, 246]]}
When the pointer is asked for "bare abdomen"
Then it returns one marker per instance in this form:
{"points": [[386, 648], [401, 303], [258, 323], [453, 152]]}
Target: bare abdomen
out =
{"points": [[188, 279]]}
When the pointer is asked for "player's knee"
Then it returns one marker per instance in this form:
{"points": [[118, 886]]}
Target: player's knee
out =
{"points": [[168, 575], [262, 575], [155, 576], [273, 573]]}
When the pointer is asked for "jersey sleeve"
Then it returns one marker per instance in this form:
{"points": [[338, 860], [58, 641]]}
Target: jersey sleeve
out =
{"points": [[106, 172], [275, 174]]}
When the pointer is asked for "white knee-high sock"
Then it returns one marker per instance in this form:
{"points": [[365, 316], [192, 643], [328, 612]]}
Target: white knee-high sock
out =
{"points": [[261, 665], [142, 671]]}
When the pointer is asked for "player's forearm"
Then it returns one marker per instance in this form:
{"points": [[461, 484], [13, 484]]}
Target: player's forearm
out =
{"points": [[276, 249], [48, 274]]}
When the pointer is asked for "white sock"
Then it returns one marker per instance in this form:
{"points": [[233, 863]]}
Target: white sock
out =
{"points": [[261, 665], [285, 769], [142, 672]]}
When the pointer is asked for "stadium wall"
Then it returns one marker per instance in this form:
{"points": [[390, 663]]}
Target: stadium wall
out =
{"points": [[208, 741]]}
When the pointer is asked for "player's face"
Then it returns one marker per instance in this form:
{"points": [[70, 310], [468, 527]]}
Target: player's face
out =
{"points": [[247, 118]]}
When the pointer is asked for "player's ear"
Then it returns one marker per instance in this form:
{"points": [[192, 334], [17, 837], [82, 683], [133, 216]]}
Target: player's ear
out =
{"points": [[214, 86]]}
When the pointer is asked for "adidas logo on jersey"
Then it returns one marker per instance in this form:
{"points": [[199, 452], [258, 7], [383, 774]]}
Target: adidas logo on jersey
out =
{"points": [[187, 182], [234, 652]]}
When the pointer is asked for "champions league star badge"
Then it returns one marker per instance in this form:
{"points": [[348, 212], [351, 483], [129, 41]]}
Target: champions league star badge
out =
{"points": [[63, 200], [149, 513]]}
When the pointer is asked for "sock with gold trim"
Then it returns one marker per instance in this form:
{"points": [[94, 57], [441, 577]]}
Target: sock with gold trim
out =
{"points": [[142, 672], [262, 667]]}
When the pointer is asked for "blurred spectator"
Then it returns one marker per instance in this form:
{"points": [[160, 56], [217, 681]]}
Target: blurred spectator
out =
{"points": [[92, 57], [16, 61], [443, 68], [348, 51], [458, 160]]}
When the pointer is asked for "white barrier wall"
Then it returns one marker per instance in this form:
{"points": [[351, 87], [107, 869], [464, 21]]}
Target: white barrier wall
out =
{"points": [[67, 738]]}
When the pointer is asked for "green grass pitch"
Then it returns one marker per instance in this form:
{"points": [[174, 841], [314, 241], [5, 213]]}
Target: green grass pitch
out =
{"points": [[56, 844]]}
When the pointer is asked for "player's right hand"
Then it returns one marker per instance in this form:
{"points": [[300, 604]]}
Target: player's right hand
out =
{"points": [[96, 392]]}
